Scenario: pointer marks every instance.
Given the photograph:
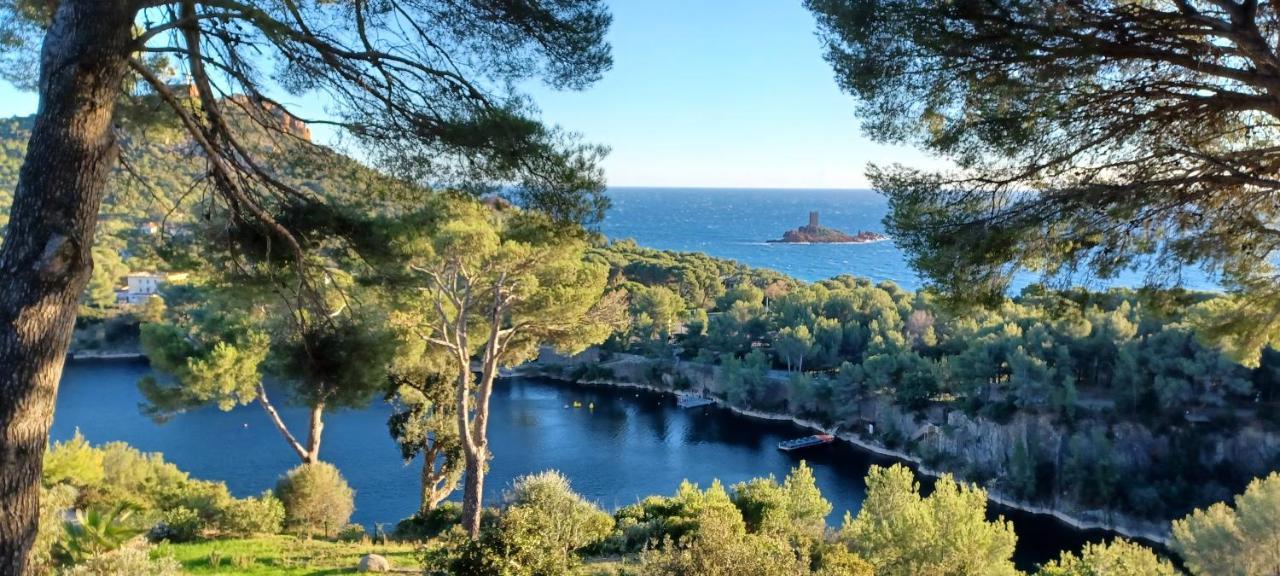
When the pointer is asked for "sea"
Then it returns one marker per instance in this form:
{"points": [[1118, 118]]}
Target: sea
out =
{"points": [[737, 224], [615, 446]]}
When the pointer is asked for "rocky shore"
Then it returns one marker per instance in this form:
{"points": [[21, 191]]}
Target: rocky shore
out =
{"points": [[629, 371]]}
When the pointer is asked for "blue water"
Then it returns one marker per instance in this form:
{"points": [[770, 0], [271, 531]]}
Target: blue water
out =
{"points": [[736, 223], [630, 445]]}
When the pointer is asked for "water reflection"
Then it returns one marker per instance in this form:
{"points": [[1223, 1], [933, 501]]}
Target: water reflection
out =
{"points": [[618, 446]]}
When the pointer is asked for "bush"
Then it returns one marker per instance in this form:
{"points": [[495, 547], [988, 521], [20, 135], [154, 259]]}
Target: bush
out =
{"points": [[435, 523], [206, 499], [540, 531], [73, 462], [352, 533], [721, 546], [544, 507], [54, 502], [180, 524], [664, 518], [130, 561], [116, 474], [1118, 557], [248, 516], [96, 532], [316, 498]]}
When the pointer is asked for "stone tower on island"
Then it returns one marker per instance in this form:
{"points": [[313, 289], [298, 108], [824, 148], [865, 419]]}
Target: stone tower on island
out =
{"points": [[814, 233]]}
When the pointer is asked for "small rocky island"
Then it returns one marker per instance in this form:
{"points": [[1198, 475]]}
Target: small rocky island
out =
{"points": [[816, 233]]}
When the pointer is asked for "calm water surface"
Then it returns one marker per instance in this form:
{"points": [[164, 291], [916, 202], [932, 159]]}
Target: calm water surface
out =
{"points": [[632, 444], [736, 223]]}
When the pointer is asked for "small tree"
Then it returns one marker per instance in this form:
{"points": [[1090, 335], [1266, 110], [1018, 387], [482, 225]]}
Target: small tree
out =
{"points": [[721, 546], [793, 344], [657, 309], [1116, 558], [316, 498], [495, 288], [794, 510], [425, 425], [216, 350], [904, 534], [1243, 540], [539, 532]]}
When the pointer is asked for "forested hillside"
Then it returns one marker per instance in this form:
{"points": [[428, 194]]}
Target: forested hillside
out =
{"points": [[163, 183], [1096, 403]]}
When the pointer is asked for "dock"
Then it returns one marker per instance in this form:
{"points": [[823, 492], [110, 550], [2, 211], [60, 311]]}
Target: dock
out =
{"points": [[692, 401], [806, 442]]}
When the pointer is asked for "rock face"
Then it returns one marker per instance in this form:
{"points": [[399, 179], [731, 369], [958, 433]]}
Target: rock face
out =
{"points": [[815, 233], [374, 563]]}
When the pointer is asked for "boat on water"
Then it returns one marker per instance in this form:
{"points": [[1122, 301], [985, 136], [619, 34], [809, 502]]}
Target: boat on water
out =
{"points": [[806, 442]]}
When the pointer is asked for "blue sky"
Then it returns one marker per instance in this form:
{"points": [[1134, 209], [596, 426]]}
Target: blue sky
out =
{"points": [[708, 93], [729, 93]]}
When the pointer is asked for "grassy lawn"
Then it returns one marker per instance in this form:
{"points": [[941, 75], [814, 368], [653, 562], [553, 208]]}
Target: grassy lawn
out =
{"points": [[283, 555]]}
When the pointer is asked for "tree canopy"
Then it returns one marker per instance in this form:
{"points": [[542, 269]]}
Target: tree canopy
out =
{"points": [[1097, 136], [426, 88]]}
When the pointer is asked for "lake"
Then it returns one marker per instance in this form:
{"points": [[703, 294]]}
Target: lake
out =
{"points": [[627, 445]]}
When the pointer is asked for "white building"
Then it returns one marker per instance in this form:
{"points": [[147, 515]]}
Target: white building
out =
{"points": [[143, 285]]}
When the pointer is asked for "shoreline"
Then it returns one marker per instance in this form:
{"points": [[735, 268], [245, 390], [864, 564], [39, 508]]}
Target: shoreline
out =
{"points": [[1073, 521], [842, 242]]}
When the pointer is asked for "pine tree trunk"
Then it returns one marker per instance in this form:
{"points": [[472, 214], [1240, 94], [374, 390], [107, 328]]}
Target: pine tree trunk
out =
{"points": [[472, 491], [45, 262], [427, 501], [478, 453], [434, 481], [317, 430]]}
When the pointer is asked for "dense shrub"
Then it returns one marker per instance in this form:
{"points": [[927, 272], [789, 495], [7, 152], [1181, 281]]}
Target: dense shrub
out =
{"points": [[54, 502], [116, 474], [180, 524], [316, 498], [540, 531], [73, 462], [247, 516], [434, 523], [1237, 538], [96, 532], [1116, 558], [898, 530], [659, 519], [721, 546], [352, 533], [133, 561]]}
